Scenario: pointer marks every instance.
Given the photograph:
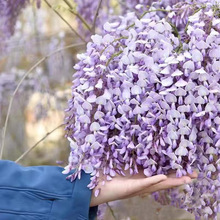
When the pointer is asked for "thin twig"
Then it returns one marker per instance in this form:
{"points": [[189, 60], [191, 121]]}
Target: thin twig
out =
{"points": [[75, 32], [111, 210], [71, 9], [31, 148], [96, 16], [19, 84], [113, 56]]}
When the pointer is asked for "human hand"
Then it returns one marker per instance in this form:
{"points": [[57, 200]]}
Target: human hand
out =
{"points": [[123, 187]]}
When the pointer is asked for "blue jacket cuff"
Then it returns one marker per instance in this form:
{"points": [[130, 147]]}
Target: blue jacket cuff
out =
{"points": [[83, 205]]}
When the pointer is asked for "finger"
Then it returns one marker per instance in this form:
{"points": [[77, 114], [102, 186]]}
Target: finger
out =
{"points": [[136, 185], [148, 181], [169, 183], [194, 175], [166, 184], [172, 173]]}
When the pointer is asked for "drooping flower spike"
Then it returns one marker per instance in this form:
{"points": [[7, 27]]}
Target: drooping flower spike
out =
{"points": [[146, 94]]}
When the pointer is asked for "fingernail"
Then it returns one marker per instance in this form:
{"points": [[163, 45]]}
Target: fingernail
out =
{"points": [[187, 181]]}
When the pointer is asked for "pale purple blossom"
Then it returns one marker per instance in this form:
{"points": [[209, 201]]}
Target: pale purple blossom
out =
{"points": [[9, 12], [147, 94]]}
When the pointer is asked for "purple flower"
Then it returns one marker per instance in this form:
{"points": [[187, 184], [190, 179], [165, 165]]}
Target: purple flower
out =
{"points": [[9, 12], [147, 94]]}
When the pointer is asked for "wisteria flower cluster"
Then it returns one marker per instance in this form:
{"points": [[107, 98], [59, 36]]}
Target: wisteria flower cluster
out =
{"points": [[9, 12], [146, 95]]}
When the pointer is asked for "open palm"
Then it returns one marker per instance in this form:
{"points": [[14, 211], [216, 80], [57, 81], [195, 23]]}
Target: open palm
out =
{"points": [[123, 187]]}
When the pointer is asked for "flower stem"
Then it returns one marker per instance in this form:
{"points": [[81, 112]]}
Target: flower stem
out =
{"points": [[197, 10], [111, 210], [117, 39], [113, 56], [96, 15], [176, 32], [71, 9], [19, 84], [71, 28], [31, 148]]}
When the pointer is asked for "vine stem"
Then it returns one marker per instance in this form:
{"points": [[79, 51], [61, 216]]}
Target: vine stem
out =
{"points": [[31, 148], [71, 9], [111, 210], [72, 29], [19, 84], [96, 16]]}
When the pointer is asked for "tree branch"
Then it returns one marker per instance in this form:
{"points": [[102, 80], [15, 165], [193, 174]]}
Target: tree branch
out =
{"points": [[31, 148], [71, 9], [75, 32], [19, 84], [111, 210], [96, 15]]}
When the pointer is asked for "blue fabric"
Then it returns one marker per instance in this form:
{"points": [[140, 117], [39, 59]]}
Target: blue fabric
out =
{"points": [[42, 193]]}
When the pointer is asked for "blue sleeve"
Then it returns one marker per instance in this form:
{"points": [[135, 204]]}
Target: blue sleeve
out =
{"points": [[43, 193]]}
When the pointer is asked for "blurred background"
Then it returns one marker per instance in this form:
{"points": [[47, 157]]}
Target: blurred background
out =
{"points": [[39, 44]]}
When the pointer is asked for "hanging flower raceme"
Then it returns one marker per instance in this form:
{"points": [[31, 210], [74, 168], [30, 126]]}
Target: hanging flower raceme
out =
{"points": [[9, 12], [146, 95], [203, 35]]}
